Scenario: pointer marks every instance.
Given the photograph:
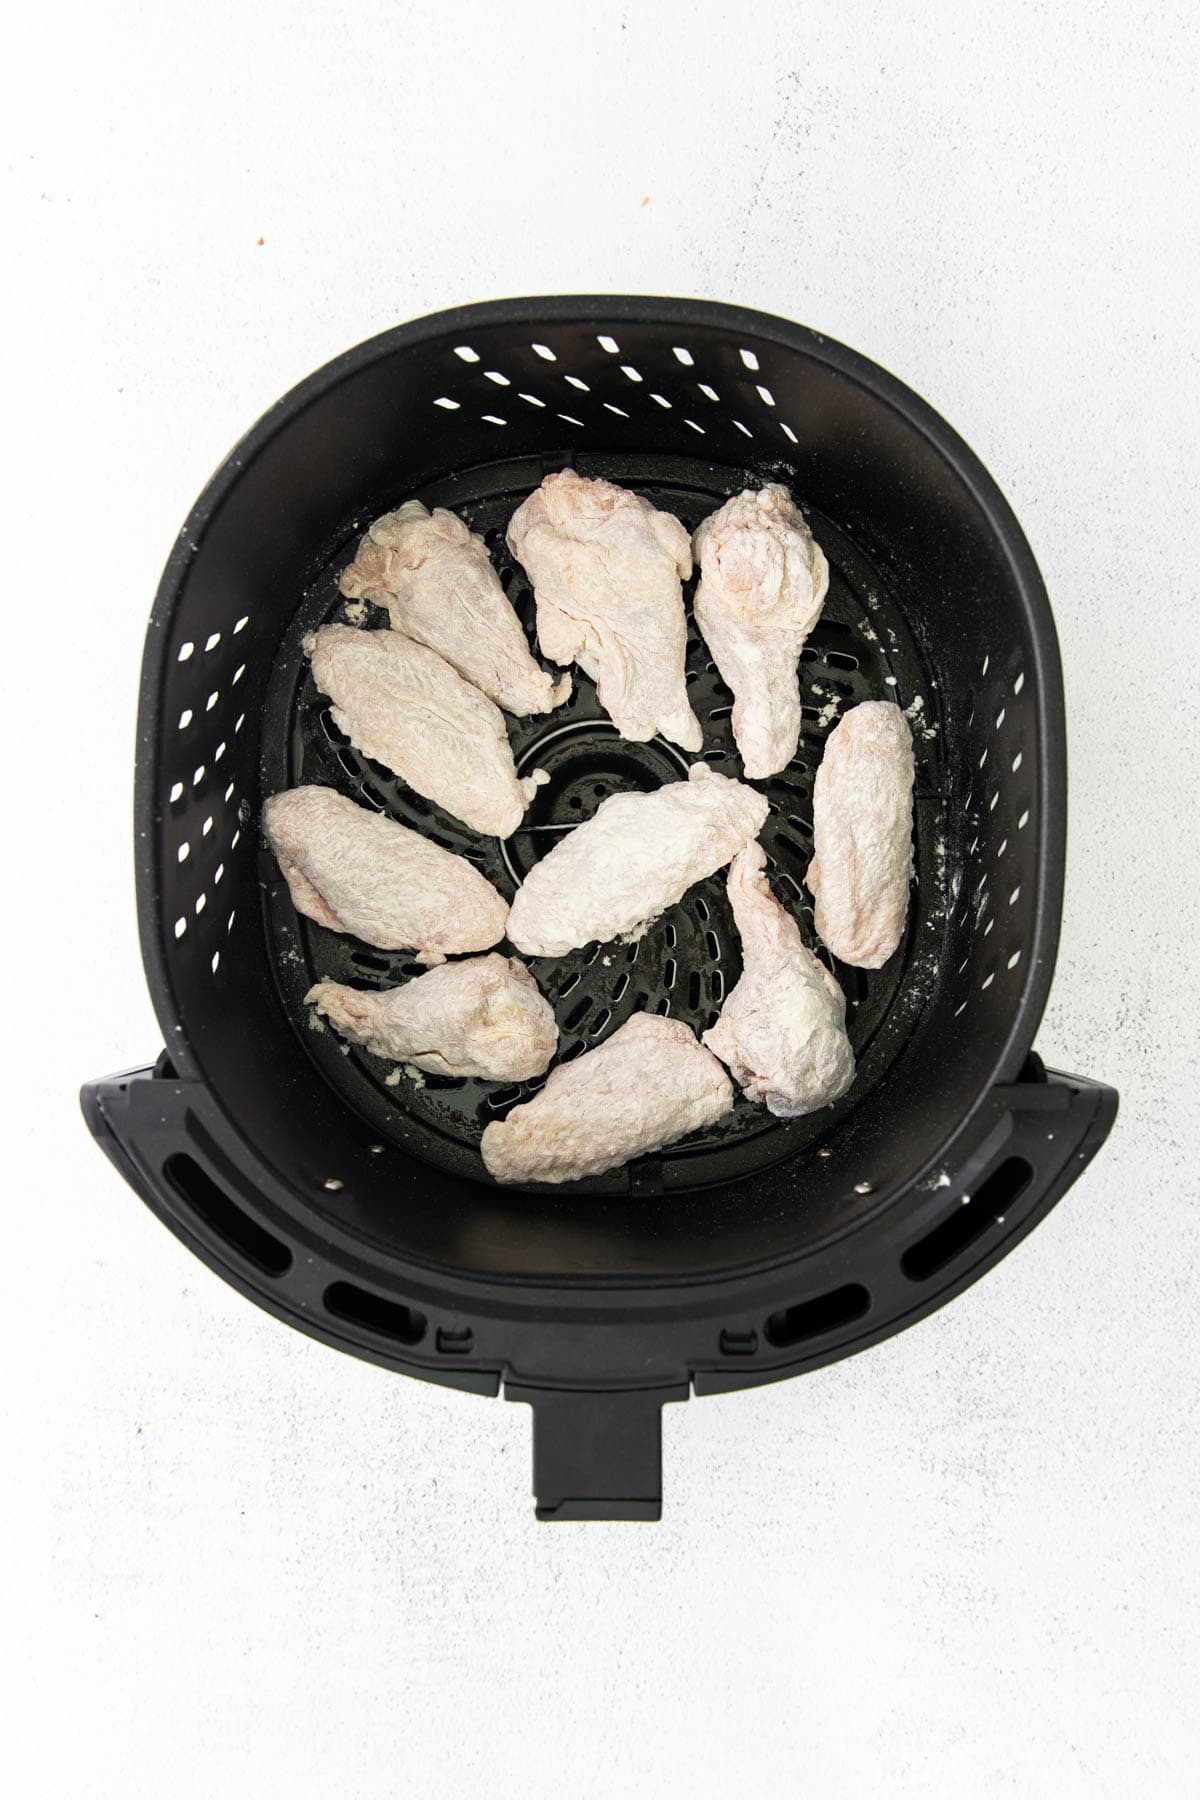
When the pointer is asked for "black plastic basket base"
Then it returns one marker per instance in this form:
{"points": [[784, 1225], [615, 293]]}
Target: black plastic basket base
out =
{"points": [[597, 1446]]}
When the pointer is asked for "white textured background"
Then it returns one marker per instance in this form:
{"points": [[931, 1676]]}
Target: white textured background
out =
{"points": [[964, 1563]]}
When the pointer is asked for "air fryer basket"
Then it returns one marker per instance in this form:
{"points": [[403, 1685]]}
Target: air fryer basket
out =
{"points": [[358, 1209]]}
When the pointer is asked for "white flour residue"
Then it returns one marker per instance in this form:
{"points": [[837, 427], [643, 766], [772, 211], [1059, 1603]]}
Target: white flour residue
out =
{"points": [[921, 726], [400, 1071], [829, 711]]}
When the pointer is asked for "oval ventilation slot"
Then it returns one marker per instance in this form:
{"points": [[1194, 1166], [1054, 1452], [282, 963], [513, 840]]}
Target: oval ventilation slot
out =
{"points": [[968, 1221], [813, 1318], [386, 1318], [225, 1217]]}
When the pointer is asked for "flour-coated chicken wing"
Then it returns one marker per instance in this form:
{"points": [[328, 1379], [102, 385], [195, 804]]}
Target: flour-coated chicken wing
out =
{"points": [[782, 1031], [483, 1017], [650, 1083], [402, 704], [763, 581], [862, 834], [354, 871], [607, 569], [437, 581], [636, 855]]}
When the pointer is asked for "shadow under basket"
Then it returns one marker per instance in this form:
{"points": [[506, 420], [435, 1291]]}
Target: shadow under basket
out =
{"points": [[358, 1209]]}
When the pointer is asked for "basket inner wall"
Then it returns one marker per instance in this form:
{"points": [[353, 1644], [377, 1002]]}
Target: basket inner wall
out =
{"points": [[707, 413]]}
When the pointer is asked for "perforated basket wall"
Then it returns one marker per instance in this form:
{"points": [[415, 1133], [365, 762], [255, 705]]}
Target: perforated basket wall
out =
{"points": [[928, 605]]}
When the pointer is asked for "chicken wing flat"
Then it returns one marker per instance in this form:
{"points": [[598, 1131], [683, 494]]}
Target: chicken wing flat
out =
{"points": [[354, 871], [402, 704], [484, 1017], [650, 1083], [862, 834], [437, 581], [782, 1031], [607, 569], [637, 855], [763, 581]]}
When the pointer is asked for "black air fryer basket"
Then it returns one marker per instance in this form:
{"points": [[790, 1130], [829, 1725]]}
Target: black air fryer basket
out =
{"points": [[360, 1211]]}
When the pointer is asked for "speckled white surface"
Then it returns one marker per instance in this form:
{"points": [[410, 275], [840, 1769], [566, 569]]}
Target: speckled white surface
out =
{"points": [[962, 1564]]}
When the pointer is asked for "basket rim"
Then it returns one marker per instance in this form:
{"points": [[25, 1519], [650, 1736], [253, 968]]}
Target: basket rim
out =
{"points": [[608, 310]]}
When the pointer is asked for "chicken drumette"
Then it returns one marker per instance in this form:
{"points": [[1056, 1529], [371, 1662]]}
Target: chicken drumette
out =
{"points": [[483, 1017], [782, 1031], [763, 581]]}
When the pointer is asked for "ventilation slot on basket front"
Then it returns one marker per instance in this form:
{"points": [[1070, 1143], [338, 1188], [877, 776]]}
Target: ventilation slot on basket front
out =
{"points": [[813, 1318], [386, 1318], [223, 1216], [968, 1221]]}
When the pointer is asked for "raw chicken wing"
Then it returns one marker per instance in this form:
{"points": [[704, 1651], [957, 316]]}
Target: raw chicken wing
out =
{"points": [[763, 582], [402, 704], [862, 834], [352, 870], [782, 1031], [484, 1017], [437, 581], [606, 569], [637, 855], [649, 1084]]}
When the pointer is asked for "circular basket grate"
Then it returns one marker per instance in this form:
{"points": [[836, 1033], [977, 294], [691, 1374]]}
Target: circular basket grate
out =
{"points": [[687, 961]]}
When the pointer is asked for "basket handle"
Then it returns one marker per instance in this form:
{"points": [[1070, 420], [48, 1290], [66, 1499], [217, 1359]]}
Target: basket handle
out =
{"points": [[597, 1454]]}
